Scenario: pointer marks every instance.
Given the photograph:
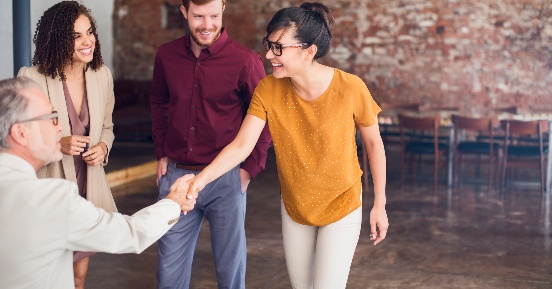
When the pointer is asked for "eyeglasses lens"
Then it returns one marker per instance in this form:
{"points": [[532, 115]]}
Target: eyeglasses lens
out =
{"points": [[266, 44], [275, 47]]}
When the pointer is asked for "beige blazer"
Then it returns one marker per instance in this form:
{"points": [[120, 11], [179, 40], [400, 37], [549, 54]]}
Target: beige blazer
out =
{"points": [[42, 221], [99, 88]]}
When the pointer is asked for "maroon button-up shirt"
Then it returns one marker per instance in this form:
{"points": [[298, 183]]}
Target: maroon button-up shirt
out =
{"points": [[198, 104]]}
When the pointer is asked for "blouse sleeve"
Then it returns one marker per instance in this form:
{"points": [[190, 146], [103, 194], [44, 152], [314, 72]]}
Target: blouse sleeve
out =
{"points": [[365, 109], [257, 107]]}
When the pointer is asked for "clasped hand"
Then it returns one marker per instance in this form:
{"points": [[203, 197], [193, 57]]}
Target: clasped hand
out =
{"points": [[187, 187], [179, 192], [76, 145], [196, 183]]}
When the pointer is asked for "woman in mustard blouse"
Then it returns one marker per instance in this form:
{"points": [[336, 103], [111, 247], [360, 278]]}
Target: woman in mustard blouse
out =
{"points": [[313, 112]]}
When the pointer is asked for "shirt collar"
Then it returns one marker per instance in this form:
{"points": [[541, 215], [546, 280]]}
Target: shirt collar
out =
{"points": [[17, 163]]}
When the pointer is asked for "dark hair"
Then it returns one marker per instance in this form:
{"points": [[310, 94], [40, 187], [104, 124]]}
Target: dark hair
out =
{"points": [[312, 22], [13, 105], [54, 40], [186, 3]]}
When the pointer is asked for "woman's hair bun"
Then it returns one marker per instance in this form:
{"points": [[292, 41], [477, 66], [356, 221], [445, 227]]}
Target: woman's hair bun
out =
{"points": [[322, 9]]}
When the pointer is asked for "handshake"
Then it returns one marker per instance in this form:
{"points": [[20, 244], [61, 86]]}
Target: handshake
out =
{"points": [[184, 192]]}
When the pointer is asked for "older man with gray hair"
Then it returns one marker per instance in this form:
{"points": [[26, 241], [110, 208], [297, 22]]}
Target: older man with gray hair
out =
{"points": [[43, 220]]}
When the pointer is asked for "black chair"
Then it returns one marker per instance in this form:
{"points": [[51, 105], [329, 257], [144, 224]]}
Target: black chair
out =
{"points": [[467, 131], [420, 137], [524, 147], [389, 130]]}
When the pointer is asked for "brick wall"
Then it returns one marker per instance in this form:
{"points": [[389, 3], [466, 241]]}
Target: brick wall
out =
{"points": [[467, 53]]}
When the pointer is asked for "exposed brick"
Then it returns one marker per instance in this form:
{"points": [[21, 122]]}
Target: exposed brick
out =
{"points": [[469, 53]]}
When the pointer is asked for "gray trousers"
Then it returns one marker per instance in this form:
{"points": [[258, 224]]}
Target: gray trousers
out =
{"points": [[223, 205]]}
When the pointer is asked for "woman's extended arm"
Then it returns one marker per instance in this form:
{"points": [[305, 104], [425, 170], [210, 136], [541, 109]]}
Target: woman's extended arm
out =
{"points": [[233, 154], [376, 155]]}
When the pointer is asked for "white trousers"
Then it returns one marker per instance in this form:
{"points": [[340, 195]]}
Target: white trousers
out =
{"points": [[320, 257]]}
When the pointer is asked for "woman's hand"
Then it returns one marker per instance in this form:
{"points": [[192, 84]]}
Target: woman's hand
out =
{"points": [[178, 193], [196, 184], [190, 184], [96, 155], [378, 220], [74, 144]]}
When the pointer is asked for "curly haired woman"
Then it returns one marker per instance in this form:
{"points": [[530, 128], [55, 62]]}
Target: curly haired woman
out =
{"points": [[68, 66]]}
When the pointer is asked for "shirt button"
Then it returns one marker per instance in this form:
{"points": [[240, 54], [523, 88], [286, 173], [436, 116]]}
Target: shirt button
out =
{"points": [[191, 149], [192, 128]]}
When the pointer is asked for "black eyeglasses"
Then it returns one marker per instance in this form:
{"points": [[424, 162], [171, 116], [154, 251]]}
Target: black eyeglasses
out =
{"points": [[53, 116], [277, 47]]}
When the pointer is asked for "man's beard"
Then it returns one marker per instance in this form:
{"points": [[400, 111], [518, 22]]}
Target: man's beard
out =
{"points": [[196, 40]]}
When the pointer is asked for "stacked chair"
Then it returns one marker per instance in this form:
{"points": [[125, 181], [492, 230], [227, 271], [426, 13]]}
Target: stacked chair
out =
{"points": [[474, 141], [419, 137], [524, 147]]}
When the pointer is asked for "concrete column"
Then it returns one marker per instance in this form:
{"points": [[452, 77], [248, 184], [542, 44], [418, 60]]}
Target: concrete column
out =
{"points": [[21, 34]]}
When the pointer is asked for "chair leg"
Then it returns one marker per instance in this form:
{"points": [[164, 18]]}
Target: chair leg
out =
{"points": [[504, 164], [435, 172], [497, 168], [542, 174], [490, 175], [402, 170], [455, 169], [460, 170]]}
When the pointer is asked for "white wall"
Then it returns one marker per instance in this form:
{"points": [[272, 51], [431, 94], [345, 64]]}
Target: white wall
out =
{"points": [[102, 11], [6, 39]]}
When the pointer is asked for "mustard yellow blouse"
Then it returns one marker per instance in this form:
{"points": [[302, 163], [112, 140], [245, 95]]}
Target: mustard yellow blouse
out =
{"points": [[314, 142]]}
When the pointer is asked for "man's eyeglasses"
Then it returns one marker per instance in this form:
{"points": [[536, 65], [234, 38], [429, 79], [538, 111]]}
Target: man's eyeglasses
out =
{"points": [[53, 116], [277, 47]]}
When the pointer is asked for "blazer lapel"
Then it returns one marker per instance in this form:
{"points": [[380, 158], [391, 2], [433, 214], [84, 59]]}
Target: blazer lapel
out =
{"points": [[57, 98], [94, 106]]}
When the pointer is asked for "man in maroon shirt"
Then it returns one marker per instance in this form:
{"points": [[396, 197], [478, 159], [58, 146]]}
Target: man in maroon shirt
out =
{"points": [[202, 85]]}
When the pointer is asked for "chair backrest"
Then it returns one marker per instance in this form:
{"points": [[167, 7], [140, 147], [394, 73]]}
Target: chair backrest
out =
{"points": [[532, 130], [521, 142], [473, 124], [521, 127], [418, 127], [483, 126], [419, 123], [478, 128]]}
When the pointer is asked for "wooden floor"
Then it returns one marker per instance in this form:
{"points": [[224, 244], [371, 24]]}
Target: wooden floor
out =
{"points": [[451, 238]]}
